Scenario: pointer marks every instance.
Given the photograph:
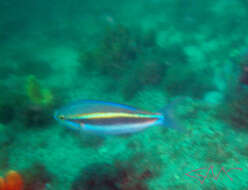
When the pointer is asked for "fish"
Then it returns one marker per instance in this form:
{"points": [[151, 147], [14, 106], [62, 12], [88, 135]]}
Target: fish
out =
{"points": [[107, 118]]}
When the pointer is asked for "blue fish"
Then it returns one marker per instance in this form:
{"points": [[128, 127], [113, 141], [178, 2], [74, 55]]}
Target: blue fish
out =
{"points": [[107, 118]]}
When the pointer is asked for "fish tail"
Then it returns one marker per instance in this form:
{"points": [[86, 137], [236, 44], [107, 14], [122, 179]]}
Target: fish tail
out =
{"points": [[169, 118]]}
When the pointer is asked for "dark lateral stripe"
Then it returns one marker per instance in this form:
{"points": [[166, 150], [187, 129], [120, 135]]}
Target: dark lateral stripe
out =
{"points": [[113, 121]]}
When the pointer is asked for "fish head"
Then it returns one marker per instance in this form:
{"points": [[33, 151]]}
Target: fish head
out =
{"points": [[66, 119], [59, 117]]}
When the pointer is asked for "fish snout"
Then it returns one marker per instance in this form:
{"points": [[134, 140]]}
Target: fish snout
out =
{"points": [[58, 116]]}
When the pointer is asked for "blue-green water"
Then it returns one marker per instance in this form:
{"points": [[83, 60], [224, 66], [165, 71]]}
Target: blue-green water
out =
{"points": [[140, 53]]}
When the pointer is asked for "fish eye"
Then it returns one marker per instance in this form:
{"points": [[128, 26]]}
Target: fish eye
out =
{"points": [[62, 117]]}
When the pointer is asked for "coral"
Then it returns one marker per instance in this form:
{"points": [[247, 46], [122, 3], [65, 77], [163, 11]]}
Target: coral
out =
{"points": [[12, 181], [178, 80], [36, 94], [234, 111], [37, 178], [150, 73], [38, 104], [130, 179], [2, 184], [244, 75], [243, 66], [35, 105], [120, 176], [125, 51], [34, 108], [114, 53]]}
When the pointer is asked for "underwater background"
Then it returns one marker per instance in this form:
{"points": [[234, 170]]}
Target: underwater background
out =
{"points": [[142, 53]]}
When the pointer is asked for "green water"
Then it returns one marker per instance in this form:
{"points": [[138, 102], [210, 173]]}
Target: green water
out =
{"points": [[142, 53]]}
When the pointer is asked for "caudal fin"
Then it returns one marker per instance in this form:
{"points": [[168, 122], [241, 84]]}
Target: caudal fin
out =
{"points": [[170, 120]]}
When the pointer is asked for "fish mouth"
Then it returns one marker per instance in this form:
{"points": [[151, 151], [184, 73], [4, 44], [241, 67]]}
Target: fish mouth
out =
{"points": [[55, 116]]}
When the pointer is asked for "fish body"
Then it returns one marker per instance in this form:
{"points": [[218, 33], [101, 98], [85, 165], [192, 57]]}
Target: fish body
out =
{"points": [[107, 118]]}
